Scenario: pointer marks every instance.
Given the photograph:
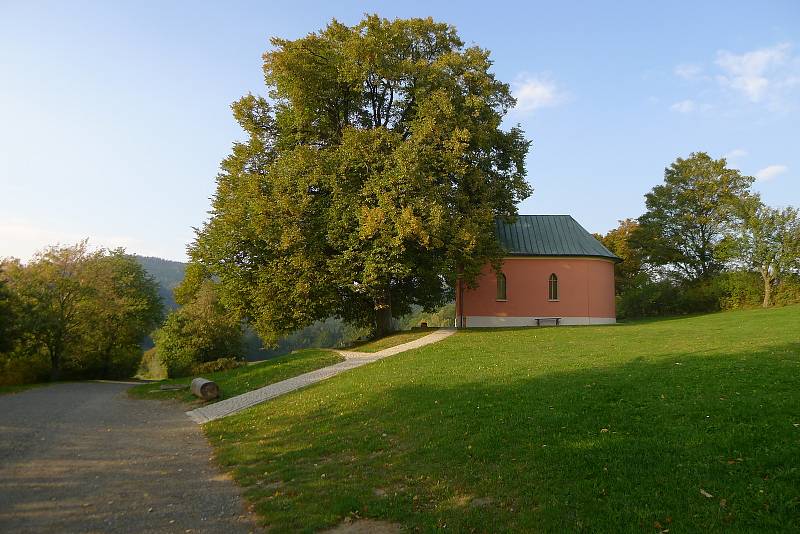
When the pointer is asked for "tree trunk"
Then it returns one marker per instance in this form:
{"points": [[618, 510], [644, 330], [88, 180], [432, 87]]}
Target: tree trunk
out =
{"points": [[767, 288], [55, 364], [383, 315]]}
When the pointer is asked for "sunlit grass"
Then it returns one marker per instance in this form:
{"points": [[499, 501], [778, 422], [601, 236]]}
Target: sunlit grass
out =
{"points": [[240, 380], [626, 428]]}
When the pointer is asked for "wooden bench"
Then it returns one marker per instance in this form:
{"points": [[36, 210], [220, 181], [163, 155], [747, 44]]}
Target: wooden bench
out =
{"points": [[539, 320]]}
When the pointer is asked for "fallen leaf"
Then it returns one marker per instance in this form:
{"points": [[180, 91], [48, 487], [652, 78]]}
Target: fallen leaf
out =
{"points": [[705, 494], [723, 503]]}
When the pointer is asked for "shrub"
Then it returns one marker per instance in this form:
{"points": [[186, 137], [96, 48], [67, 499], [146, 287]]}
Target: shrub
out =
{"points": [[788, 291], [150, 367], [201, 330], [215, 366], [18, 368], [740, 289]]}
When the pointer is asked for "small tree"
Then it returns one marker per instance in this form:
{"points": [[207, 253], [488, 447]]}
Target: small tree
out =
{"points": [[769, 242], [690, 218], [200, 331]]}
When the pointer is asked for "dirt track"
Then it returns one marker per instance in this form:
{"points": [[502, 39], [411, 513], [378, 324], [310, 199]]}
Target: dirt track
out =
{"points": [[83, 457]]}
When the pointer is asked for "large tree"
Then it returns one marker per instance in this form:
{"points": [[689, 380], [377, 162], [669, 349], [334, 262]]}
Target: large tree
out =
{"points": [[369, 183], [769, 242], [691, 217]]}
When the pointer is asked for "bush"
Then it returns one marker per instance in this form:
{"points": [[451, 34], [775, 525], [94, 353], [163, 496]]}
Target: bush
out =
{"points": [[150, 367], [17, 368], [200, 331], [645, 298], [740, 289], [787, 292], [215, 366]]}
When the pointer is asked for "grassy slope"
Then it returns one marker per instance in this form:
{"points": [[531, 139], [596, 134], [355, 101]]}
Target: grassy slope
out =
{"points": [[243, 379], [392, 340], [612, 429]]}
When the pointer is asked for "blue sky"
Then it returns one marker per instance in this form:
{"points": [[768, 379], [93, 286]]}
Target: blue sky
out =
{"points": [[114, 116]]}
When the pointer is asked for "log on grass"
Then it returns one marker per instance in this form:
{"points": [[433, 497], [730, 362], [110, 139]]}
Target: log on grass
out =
{"points": [[205, 389]]}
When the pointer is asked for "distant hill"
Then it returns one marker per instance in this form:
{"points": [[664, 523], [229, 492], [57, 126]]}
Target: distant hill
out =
{"points": [[168, 274]]}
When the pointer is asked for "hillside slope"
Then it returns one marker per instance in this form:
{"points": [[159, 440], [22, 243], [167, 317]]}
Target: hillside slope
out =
{"points": [[167, 273], [685, 424]]}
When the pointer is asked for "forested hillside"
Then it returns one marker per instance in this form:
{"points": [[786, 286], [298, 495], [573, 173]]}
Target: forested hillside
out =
{"points": [[167, 274]]}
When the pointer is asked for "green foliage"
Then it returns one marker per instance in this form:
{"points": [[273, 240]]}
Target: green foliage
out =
{"points": [[215, 366], [374, 179], [619, 242], [248, 377], [590, 429], [8, 318], [201, 330], [85, 311], [690, 218], [739, 289], [443, 317], [150, 367], [769, 242]]}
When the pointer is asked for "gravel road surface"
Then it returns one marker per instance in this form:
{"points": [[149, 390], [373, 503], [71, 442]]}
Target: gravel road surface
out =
{"points": [[83, 457]]}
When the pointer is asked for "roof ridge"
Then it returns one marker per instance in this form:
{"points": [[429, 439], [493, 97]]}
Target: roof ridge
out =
{"points": [[560, 235]]}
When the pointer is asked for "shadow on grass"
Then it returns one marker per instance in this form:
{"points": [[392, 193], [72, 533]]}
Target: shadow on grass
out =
{"points": [[625, 448]]}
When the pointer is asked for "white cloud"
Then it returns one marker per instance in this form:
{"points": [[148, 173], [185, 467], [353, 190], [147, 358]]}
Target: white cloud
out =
{"points": [[688, 71], [770, 171], [736, 153], [535, 92], [767, 77], [754, 73], [684, 106]]}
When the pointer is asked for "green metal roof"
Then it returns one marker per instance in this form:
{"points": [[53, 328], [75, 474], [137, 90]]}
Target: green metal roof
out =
{"points": [[549, 235]]}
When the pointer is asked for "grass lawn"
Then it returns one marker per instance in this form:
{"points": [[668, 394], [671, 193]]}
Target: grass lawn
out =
{"points": [[392, 340], [687, 424], [7, 390], [246, 378]]}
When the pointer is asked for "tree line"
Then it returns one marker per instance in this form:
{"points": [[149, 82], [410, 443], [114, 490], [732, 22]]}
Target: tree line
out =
{"points": [[705, 242], [74, 313]]}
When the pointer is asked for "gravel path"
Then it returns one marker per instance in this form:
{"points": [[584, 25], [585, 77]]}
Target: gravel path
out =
{"points": [[352, 359], [83, 457]]}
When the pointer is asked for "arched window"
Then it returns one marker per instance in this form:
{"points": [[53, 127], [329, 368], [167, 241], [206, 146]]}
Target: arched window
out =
{"points": [[501, 286], [552, 294]]}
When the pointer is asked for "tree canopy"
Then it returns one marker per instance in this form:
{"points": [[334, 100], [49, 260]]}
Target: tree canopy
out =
{"points": [[368, 182], [769, 242], [87, 311], [689, 216]]}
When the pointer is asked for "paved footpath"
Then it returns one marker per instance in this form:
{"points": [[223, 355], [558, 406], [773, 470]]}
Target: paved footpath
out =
{"points": [[352, 360], [83, 457]]}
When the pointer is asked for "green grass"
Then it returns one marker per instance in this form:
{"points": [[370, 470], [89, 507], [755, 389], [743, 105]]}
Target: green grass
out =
{"points": [[392, 340], [240, 380], [594, 429], [7, 390]]}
